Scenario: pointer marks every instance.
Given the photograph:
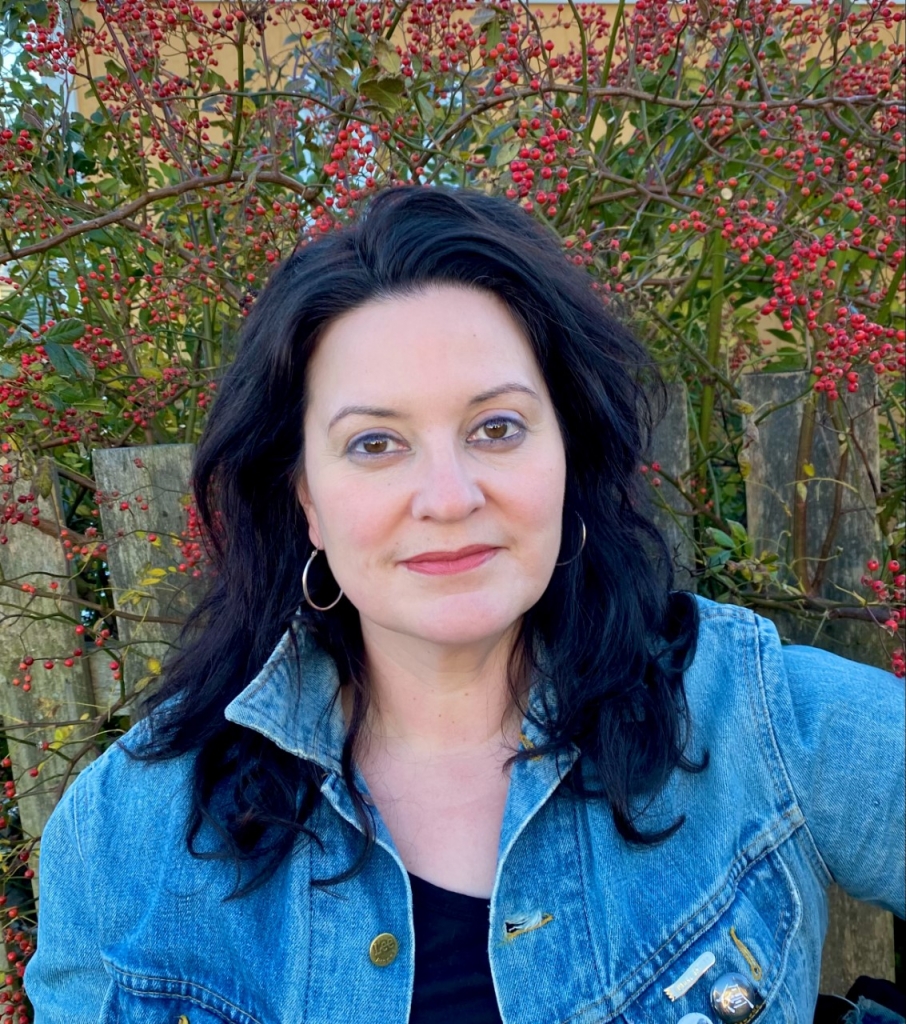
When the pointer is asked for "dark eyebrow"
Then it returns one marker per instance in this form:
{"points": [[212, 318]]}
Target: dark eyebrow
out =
{"points": [[503, 389], [379, 412], [362, 410]]}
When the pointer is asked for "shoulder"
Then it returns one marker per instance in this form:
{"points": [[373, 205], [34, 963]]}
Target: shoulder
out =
{"points": [[740, 651], [730, 651], [120, 796]]}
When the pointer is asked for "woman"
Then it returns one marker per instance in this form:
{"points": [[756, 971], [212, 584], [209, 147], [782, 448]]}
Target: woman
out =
{"points": [[441, 745]]}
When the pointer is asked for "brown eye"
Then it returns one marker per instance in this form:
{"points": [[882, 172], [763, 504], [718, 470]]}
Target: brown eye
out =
{"points": [[496, 429], [375, 445]]}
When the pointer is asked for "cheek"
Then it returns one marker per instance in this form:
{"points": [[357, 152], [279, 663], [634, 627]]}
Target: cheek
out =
{"points": [[533, 510], [356, 518], [542, 492]]}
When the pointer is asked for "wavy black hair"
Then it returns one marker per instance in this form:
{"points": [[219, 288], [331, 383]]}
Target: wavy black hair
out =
{"points": [[615, 639]]}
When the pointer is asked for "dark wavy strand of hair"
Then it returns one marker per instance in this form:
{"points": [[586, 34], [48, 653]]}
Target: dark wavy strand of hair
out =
{"points": [[615, 640]]}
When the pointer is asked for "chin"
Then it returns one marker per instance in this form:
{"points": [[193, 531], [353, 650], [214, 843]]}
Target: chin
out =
{"points": [[462, 623]]}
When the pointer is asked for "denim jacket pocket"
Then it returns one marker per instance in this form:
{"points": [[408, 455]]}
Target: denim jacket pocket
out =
{"points": [[750, 934], [143, 999]]}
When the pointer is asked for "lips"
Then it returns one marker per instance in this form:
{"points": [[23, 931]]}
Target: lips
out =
{"points": [[446, 563]]}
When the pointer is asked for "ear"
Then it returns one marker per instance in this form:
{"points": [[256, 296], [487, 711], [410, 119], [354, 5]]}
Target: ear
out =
{"points": [[311, 514]]}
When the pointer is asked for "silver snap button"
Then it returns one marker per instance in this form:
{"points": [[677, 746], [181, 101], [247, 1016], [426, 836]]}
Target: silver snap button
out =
{"points": [[735, 999]]}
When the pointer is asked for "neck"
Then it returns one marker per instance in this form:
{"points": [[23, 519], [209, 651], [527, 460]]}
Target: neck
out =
{"points": [[435, 700]]}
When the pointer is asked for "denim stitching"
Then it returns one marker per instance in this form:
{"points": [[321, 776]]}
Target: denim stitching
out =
{"points": [[583, 874], [759, 708], [122, 977]]}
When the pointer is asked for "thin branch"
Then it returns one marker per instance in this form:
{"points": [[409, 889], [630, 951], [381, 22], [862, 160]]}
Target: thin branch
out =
{"points": [[106, 613], [118, 215]]}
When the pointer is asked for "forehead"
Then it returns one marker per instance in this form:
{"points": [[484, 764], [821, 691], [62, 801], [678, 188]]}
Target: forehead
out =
{"points": [[443, 341]]}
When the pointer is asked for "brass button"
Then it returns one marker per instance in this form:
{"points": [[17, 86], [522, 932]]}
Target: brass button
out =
{"points": [[383, 949]]}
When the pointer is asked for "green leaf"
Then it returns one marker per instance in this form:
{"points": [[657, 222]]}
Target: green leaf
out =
{"points": [[65, 332], [386, 92], [369, 74], [502, 156], [738, 531], [342, 79], [721, 538], [425, 107], [69, 362], [387, 56], [8, 371], [494, 34]]}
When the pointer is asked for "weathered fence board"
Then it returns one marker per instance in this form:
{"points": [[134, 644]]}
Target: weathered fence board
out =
{"points": [[144, 493], [840, 517], [836, 477], [39, 627], [670, 451]]}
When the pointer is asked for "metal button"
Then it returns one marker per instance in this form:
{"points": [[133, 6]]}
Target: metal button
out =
{"points": [[694, 1018], [383, 949], [735, 999]]}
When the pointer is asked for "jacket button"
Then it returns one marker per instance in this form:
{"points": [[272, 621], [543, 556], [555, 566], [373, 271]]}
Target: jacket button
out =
{"points": [[383, 949], [735, 999]]}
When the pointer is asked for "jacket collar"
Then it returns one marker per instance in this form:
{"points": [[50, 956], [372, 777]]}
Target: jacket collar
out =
{"points": [[294, 701]]}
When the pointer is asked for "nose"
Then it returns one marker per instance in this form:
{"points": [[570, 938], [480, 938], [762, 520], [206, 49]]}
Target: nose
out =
{"points": [[448, 488]]}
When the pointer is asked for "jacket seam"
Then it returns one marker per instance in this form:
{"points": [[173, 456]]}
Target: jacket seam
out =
{"points": [[759, 664], [77, 796], [760, 713], [584, 886]]}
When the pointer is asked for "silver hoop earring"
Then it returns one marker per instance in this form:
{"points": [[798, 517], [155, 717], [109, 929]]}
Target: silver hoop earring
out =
{"points": [[581, 543], [317, 607]]}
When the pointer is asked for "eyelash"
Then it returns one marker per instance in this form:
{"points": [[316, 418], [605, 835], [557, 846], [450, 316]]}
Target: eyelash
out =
{"points": [[353, 450]]}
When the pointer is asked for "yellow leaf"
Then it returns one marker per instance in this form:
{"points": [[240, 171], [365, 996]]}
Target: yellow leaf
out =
{"points": [[801, 490], [152, 576], [60, 736], [154, 666], [808, 469]]}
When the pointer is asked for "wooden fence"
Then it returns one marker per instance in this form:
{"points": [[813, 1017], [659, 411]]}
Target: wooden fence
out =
{"points": [[814, 508]]}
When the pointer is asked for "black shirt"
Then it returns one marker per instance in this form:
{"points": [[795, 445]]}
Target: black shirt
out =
{"points": [[452, 970]]}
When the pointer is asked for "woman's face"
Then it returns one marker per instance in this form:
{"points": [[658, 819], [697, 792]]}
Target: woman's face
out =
{"points": [[434, 466]]}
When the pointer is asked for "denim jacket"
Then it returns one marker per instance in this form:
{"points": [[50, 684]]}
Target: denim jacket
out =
{"points": [[805, 786]]}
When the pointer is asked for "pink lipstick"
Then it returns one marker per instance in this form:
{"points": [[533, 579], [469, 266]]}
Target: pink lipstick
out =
{"points": [[446, 563]]}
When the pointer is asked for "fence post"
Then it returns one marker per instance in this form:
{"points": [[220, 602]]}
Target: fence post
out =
{"points": [[860, 937], [43, 628], [670, 509], [143, 501]]}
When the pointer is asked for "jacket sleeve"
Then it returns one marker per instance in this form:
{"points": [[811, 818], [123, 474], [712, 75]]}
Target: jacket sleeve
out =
{"points": [[840, 730], [65, 978]]}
